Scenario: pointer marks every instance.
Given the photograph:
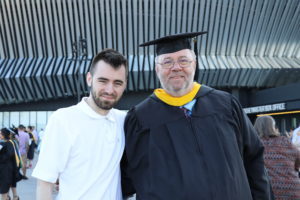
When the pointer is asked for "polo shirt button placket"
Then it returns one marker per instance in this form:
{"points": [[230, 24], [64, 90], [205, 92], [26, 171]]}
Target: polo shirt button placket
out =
{"points": [[111, 134]]}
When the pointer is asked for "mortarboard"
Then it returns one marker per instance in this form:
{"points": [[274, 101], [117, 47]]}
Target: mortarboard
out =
{"points": [[173, 43]]}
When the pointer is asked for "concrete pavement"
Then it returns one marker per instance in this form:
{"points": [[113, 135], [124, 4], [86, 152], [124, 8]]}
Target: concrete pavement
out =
{"points": [[26, 188]]}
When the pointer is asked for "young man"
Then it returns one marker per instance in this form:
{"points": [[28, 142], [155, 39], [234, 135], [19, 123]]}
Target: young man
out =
{"points": [[188, 141], [83, 144]]}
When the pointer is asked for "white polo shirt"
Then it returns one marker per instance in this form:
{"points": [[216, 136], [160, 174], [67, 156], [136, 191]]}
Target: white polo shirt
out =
{"points": [[83, 149]]}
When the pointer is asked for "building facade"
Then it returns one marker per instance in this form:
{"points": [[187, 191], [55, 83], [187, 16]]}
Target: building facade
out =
{"points": [[47, 47]]}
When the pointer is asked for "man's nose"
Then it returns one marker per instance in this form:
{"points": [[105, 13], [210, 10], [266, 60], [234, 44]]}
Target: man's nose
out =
{"points": [[109, 88], [176, 66]]}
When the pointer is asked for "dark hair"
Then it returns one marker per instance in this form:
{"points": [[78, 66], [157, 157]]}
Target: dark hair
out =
{"points": [[21, 126], [265, 126], [110, 56], [6, 133], [30, 127]]}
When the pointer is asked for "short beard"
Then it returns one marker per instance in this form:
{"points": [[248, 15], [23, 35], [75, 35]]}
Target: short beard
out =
{"points": [[104, 105]]}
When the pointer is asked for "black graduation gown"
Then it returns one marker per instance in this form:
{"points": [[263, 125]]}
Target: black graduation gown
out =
{"points": [[7, 156], [213, 155]]}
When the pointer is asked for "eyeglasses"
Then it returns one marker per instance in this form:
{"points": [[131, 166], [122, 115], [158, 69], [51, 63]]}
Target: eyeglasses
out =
{"points": [[168, 64]]}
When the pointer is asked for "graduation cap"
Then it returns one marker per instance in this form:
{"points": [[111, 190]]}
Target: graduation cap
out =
{"points": [[12, 130], [173, 43]]}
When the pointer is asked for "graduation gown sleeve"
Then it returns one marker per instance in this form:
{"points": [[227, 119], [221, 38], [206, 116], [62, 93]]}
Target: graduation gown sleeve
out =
{"points": [[132, 129], [252, 151]]}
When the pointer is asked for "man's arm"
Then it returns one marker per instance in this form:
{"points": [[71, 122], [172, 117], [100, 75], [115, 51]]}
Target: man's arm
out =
{"points": [[252, 152], [44, 190], [53, 157], [131, 127]]}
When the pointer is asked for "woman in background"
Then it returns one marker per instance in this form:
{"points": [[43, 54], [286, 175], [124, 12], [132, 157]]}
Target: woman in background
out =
{"points": [[17, 165], [7, 157], [32, 146], [282, 159]]}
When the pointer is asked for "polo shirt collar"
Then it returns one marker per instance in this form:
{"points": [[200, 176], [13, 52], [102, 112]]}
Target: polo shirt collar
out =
{"points": [[83, 106]]}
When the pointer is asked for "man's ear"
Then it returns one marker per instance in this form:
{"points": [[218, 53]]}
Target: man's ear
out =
{"points": [[156, 68], [89, 79], [195, 64]]}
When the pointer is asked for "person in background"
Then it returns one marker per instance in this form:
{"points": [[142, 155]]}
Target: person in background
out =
{"points": [[23, 138], [83, 144], [32, 146], [281, 158], [188, 141], [40, 136], [296, 137], [18, 159], [289, 133], [35, 133], [8, 165]]}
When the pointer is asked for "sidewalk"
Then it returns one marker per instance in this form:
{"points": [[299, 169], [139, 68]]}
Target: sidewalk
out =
{"points": [[26, 188]]}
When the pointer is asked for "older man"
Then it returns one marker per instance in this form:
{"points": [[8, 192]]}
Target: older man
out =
{"points": [[188, 141]]}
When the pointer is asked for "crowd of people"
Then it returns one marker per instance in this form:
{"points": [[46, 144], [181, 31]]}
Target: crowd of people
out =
{"points": [[17, 149], [186, 141]]}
